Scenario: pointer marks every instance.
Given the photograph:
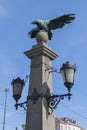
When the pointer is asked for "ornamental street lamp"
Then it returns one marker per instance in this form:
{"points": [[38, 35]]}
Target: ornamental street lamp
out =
{"points": [[67, 70], [17, 87]]}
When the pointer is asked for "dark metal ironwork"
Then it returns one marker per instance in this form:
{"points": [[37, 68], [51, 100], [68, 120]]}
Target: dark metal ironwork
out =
{"points": [[52, 100], [55, 99], [21, 105]]}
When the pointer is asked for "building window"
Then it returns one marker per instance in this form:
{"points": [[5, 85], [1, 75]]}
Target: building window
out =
{"points": [[57, 127], [61, 127]]}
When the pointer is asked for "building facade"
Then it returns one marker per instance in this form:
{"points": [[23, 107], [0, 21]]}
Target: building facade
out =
{"points": [[66, 124]]}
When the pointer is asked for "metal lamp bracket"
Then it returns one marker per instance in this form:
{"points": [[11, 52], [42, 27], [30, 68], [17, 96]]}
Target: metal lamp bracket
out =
{"points": [[52, 100]]}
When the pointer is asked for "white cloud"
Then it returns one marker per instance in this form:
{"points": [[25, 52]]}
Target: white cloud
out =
{"points": [[3, 12]]}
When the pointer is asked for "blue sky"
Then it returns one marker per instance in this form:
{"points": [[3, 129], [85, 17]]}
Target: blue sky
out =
{"points": [[70, 43]]}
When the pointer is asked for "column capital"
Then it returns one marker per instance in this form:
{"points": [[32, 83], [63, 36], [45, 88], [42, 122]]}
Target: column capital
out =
{"points": [[41, 49]]}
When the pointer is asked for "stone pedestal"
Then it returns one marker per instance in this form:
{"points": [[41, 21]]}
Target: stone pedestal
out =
{"points": [[38, 117]]}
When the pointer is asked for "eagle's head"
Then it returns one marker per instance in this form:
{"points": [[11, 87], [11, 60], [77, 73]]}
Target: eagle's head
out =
{"points": [[35, 22]]}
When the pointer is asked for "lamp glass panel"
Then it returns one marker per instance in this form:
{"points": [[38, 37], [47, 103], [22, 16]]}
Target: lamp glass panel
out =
{"points": [[17, 89], [63, 75], [69, 75]]}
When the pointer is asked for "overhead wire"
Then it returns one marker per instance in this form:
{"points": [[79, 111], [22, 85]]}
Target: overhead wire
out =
{"points": [[11, 109], [76, 113]]}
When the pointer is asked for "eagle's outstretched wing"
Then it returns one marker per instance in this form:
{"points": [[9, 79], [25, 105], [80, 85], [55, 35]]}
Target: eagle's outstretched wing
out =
{"points": [[52, 24], [59, 22]]}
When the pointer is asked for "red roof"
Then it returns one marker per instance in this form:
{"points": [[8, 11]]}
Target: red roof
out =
{"points": [[67, 121]]}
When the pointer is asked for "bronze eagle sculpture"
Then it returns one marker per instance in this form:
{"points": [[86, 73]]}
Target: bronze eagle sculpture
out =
{"points": [[52, 24]]}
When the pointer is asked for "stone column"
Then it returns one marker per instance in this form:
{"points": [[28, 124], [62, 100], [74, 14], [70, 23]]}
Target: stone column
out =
{"points": [[38, 113]]}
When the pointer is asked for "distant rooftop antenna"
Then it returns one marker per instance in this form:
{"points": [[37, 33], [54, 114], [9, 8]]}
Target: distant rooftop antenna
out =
{"points": [[16, 128], [5, 90]]}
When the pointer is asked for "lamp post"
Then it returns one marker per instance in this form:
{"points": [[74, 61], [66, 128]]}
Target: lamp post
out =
{"points": [[40, 100]]}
